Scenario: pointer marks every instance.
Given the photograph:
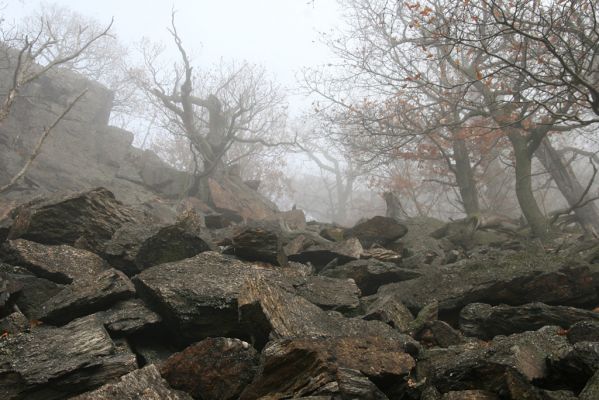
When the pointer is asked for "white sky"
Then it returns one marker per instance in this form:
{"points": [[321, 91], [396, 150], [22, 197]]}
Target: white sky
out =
{"points": [[282, 35]]}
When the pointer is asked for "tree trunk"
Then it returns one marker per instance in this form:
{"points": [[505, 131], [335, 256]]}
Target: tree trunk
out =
{"points": [[528, 204], [465, 178], [568, 185]]}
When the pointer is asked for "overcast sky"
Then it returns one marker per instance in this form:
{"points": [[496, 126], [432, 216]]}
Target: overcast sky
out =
{"points": [[282, 35]]}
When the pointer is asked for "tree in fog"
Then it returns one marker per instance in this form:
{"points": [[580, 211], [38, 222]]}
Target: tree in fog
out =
{"points": [[233, 105], [34, 48]]}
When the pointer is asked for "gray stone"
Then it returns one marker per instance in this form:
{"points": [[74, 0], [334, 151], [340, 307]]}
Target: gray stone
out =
{"points": [[377, 230], [330, 294], [128, 317]]}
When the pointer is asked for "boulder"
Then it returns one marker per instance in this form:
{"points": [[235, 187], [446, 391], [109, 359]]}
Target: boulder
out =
{"points": [[584, 331], [142, 384], [485, 321], [14, 323], [8, 287], [330, 294], [135, 247], [128, 317], [213, 369], [319, 255], [52, 363], [502, 277], [439, 334], [369, 275], [343, 366], [377, 230], [61, 263], [197, 297], [390, 310], [591, 389], [87, 219], [259, 244], [85, 297], [577, 366], [230, 195], [487, 367]]}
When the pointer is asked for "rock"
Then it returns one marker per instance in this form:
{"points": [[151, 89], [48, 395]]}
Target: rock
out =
{"points": [[369, 275], [382, 254], [85, 297], [319, 255], [429, 313], [270, 311], [293, 219], [215, 368], [33, 291], [142, 384], [14, 323], [377, 230], [418, 247], [485, 367], [591, 389], [61, 264], [128, 317], [135, 247], [485, 321], [8, 287], [258, 244], [231, 196], [332, 233], [88, 218], [470, 395], [584, 331], [330, 294], [390, 310], [510, 278], [197, 297], [577, 366], [52, 363], [439, 334], [344, 366]]}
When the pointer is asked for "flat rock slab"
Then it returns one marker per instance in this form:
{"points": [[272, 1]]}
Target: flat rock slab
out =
{"points": [[484, 367], [87, 296], [369, 275], [377, 230], [513, 278], [88, 218], [128, 317], [61, 264], [390, 310], [259, 244], [51, 363], [197, 297], [319, 255], [485, 321], [584, 331], [330, 294], [142, 384], [213, 369], [295, 367]]}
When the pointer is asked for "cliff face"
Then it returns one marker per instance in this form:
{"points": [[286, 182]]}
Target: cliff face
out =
{"points": [[83, 151]]}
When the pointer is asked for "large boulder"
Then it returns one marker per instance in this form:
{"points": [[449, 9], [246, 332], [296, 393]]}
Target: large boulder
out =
{"points": [[485, 321], [197, 297], [213, 369], [377, 230], [321, 254], [142, 384], [87, 219], [53, 363], [330, 366], [500, 277], [61, 263], [259, 244], [229, 195]]}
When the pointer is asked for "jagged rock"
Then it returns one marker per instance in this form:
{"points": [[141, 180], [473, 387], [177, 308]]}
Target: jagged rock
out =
{"points": [[215, 368], [87, 218], [390, 310], [85, 297], [8, 287], [61, 264], [578, 365], [512, 278], [344, 366], [591, 389], [382, 254], [470, 395], [369, 275], [33, 292], [558, 395], [258, 244], [485, 367], [128, 317], [5, 224], [584, 331], [142, 384], [52, 363], [329, 293], [197, 297], [271, 311], [135, 247], [439, 334], [319, 255], [14, 323], [377, 230], [485, 321], [429, 313], [231, 196], [332, 233], [293, 219], [430, 393]]}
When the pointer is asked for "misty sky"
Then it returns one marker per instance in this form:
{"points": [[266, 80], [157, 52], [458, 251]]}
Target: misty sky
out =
{"points": [[282, 35]]}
